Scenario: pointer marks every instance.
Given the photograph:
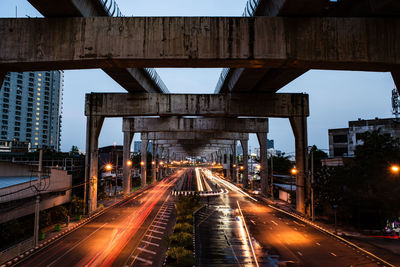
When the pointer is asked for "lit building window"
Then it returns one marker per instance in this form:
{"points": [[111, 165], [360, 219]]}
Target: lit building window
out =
{"points": [[38, 104], [36, 144], [36, 138], [37, 108], [39, 79], [38, 98], [39, 84], [39, 74], [37, 128], [38, 89], [37, 123], [37, 113], [38, 93], [37, 118]]}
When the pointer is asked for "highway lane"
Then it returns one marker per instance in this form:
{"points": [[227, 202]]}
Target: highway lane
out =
{"points": [[290, 240], [109, 238]]}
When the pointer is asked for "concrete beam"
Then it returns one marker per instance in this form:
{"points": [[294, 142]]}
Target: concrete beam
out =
{"points": [[260, 42], [133, 80], [227, 105], [194, 136], [174, 124], [194, 142]]}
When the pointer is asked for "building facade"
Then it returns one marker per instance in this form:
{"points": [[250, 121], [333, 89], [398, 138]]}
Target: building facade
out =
{"points": [[343, 141], [31, 108]]}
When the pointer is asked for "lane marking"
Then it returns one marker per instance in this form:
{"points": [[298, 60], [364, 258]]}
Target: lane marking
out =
{"points": [[318, 244], [147, 251], [253, 222], [155, 231], [298, 252], [248, 235], [143, 260], [158, 222], [156, 226], [150, 243], [333, 254], [152, 236], [274, 223]]}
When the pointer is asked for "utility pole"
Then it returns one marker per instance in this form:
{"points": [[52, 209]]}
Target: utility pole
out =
{"points": [[312, 186], [272, 178], [37, 203]]}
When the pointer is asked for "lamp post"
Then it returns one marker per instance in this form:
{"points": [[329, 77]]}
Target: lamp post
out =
{"points": [[272, 178], [294, 172]]}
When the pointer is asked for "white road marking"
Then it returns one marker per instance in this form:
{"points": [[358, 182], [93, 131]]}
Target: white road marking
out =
{"points": [[143, 260], [318, 244], [152, 236], [150, 243], [156, 226], [155, 231], [253, 222], [298, 252], [274, 222], [158, 222], [146, 250], [333, 254]]}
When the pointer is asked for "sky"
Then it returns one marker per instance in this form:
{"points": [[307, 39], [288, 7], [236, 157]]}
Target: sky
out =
{"points": [[336, 97]]}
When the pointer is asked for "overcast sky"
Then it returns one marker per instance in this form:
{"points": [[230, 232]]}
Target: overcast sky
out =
{"points": [[335, 96]]}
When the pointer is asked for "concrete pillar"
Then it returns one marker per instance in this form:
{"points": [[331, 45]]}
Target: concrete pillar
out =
{"points": [[299, 127], [126, 184], [228, 162], [93, 128], [245, 148], [154, 162], [143, 163], [262, 140], [396, 79], [160, 158], [235, 162]]}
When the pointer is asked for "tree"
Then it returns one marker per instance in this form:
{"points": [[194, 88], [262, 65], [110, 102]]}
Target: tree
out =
{"points": [[364, 188], [74, 151]]}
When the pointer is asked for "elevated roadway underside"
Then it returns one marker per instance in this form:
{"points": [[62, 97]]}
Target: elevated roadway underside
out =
{"points": [[272, 79]]}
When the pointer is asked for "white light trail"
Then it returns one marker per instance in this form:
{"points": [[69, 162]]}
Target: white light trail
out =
{"points": [[199, 184]]}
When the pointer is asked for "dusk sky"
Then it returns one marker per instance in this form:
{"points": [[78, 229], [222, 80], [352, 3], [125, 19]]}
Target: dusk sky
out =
{"points": [[335, 96]]}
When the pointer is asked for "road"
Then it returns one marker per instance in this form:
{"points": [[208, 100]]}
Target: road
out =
{"points": [[282, 238], [118, 236]]}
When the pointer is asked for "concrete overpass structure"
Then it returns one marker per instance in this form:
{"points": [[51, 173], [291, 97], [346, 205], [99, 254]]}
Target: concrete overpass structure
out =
{"points": [[133, 80], [265, 53]]}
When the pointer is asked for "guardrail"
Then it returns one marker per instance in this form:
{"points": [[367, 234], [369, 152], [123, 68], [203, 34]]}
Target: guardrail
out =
{"points": [[249, 11]]}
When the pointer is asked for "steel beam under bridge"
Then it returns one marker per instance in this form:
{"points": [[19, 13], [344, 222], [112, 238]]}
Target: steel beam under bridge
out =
{"points": [[257, 42], [175, 124]]}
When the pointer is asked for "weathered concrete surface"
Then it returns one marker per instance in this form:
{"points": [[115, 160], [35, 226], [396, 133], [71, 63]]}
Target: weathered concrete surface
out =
{"points": [[175, 124], [262, 42], [195, 142], [227, 105], [194, 136], [133, 80]]}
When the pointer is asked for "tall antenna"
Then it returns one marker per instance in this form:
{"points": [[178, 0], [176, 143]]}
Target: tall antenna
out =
{"points": [[395, 104]]}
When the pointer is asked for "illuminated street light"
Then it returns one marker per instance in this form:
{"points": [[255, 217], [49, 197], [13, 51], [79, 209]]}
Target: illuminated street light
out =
{"points": [[141, 163], [395, 169], [153, 162], [258, 167], [234, 166], [161, 163], [294, 171], [241, 168], [129, 163], [108, 167]]}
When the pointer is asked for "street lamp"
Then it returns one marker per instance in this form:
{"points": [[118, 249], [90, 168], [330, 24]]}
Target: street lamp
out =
{"points": [[142, 163], [108, 167], [129, 163], [395, 169]]}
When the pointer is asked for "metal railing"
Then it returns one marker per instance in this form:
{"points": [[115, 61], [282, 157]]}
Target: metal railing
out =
{"points": [[249, 11], [111, 7], [157, 79]]}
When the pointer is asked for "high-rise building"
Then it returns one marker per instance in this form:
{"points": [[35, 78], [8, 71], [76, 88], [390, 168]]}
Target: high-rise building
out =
{"points": [[137, 146], [31, 108]]}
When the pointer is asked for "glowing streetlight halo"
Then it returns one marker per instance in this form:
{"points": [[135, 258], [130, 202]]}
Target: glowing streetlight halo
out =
{"points": [[395, 168]]}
